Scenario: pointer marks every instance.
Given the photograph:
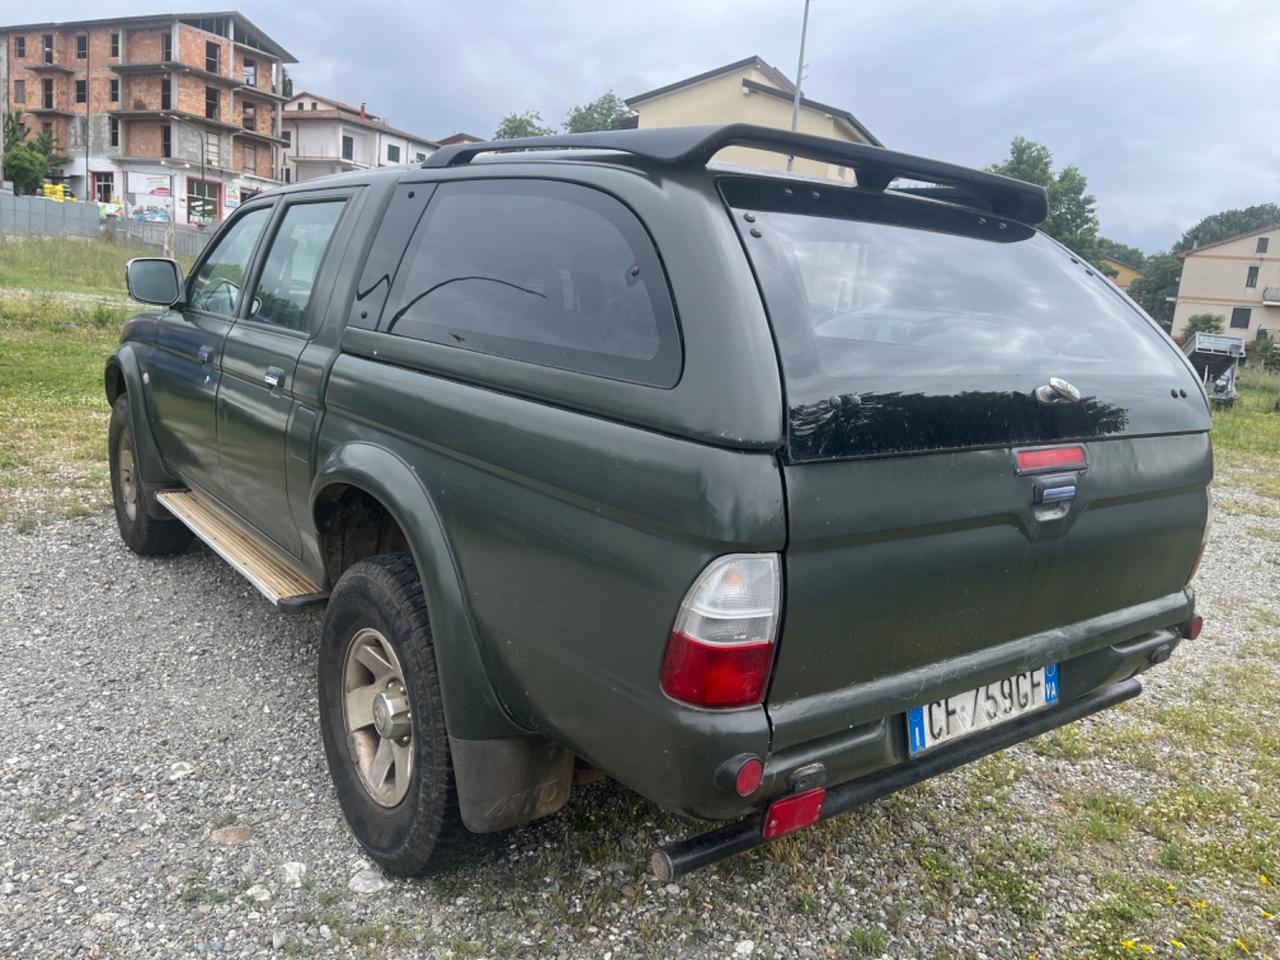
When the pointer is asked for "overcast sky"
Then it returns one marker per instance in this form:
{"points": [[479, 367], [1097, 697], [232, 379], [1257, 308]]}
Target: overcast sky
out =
{"points": [[1171, 109]]}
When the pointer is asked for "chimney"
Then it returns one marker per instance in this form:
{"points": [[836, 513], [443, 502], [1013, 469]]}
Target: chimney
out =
{"points": [[362, 110]]}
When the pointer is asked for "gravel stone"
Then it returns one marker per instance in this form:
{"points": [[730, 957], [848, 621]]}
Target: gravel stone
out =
{"points": [[367, 881], [231, 835]]}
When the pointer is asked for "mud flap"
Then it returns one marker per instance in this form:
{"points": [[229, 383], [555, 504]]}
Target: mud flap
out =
{"points": [[509, 781]]}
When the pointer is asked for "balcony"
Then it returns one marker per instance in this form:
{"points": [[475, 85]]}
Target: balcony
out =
{"points": [[249, 133], [164, 116], [1271, 296], [269, 96], [50, 68], [174, 66]]}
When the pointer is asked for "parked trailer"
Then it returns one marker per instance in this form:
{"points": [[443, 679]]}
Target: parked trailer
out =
{"points": [[1216, 358]]}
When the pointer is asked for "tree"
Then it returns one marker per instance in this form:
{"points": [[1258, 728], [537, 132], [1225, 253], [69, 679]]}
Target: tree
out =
{"points": [[602, 113], [286, 83], [1228, 223], [1122, 252], [1072, 219], [26, 164], [1158, 282], [527, 124], [1203, 323]]}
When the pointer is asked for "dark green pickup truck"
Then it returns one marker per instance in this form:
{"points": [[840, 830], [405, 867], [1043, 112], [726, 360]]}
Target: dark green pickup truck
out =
{"points": [[761, 494]]}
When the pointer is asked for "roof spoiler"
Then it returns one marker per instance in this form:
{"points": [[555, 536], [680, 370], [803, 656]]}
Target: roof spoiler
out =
{"points": [[876, 167]]}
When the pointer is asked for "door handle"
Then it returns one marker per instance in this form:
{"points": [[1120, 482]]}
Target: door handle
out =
{"points": [[273, 377], [205, 353]]}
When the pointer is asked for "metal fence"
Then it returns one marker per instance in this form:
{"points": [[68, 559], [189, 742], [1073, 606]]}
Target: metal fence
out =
{"points": [[188, 241], [38, 216]]}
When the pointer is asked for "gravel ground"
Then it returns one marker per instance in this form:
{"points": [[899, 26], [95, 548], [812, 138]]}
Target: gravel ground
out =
{"points": [[163, 794]]}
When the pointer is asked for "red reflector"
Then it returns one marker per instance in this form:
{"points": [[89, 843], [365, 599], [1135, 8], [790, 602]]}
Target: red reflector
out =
{"points": [[792, 813], [716, 674], [1194, 627], [749, 776], [1049, 458]]}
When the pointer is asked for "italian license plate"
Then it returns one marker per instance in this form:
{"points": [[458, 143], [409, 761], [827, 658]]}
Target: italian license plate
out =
{"points": [[977, 710]]}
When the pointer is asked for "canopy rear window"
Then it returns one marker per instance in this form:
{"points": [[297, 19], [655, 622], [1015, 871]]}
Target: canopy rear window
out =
{"points": [[907, 325]]}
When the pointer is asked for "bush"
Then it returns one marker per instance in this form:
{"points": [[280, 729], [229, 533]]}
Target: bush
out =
{"points": [[1204, 323]]}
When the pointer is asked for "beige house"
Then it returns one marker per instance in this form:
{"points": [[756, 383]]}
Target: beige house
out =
{"points": [[749, 91], [1238, 279]]}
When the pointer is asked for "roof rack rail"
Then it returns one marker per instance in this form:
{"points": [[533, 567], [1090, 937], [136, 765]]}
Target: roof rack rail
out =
{"points": [[876, 167]]}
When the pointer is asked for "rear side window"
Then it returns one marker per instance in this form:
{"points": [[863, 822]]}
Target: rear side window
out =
{"points": [[545, 272]]}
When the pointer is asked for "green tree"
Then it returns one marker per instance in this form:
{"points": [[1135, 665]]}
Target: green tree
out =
{"points": [[602, 113], [1203, 323], [1228, 223], [1073, 217], [286, 83], [27, 163], [1158, 282], [527, 124], [1122, 252], [25, 166]]}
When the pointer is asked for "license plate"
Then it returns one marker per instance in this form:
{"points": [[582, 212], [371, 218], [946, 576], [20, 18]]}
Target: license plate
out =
{"points": [[977, 710]]}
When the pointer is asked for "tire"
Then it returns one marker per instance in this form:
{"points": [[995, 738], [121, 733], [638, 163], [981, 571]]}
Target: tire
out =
{"points": [[407, 820], [141, 532]]}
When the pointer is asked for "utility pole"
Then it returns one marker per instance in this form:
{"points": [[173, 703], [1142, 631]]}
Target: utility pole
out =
{"points": [[88, 119], [795, 100]]}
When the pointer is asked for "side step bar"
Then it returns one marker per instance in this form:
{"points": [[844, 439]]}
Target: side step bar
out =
{"points": [[685, 856], [277, 580]]}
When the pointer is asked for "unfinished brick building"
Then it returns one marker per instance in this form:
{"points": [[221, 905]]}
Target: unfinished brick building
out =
{"points": [[181, 105]]}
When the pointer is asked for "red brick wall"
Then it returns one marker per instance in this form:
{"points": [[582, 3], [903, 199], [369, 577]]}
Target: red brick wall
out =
{"points": [[142, 139], [191, 48], [264, 113], [264, 62], [141, 89], [188, 95], [144, 46]]}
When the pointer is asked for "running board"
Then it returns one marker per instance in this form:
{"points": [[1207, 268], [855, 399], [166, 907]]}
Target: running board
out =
{"points": [[280, 582]]}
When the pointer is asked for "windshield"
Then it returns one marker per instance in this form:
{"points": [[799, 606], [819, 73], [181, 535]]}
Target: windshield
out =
{"points": [[910, 325]]}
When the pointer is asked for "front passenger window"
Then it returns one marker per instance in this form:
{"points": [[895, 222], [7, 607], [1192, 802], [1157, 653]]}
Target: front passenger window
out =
{"points": [[216, 285], [289, 272]]}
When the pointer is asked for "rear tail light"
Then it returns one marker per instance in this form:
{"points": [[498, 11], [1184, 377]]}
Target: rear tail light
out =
{"points": [[1194, 627], [1048, 459], [721, 647], [793, 813]]}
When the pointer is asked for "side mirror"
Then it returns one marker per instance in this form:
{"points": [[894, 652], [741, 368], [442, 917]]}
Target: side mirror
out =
{"points": [[153, 280]]}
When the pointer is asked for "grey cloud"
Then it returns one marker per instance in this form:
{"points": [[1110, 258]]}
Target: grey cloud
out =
{"points": [[1170, 108]]}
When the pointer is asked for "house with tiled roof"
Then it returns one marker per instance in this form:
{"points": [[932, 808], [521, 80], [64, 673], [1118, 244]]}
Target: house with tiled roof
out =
{"points": [[325, 136]]}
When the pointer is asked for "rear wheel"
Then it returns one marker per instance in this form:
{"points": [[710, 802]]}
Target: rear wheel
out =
{"points": [[141, 532], [383, 723]]}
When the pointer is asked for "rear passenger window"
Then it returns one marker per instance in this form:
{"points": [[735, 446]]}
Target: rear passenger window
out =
{"points": [[550, 273]]}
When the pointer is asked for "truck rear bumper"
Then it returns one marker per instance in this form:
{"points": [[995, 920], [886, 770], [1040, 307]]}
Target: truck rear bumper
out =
{"points": [[679, 858]]}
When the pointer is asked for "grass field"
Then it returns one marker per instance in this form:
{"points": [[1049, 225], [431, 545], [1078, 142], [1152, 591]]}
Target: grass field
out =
{"points": [[68, 264], [52, 408]]}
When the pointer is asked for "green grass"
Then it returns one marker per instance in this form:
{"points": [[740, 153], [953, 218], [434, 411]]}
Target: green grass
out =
{"points": [[74, 264], [1252, 425], [53, 413]]}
